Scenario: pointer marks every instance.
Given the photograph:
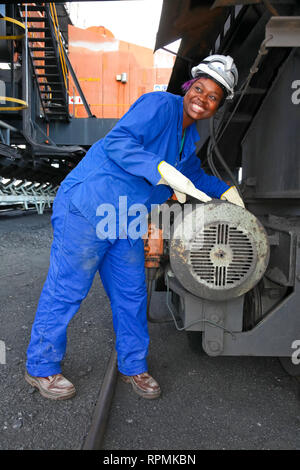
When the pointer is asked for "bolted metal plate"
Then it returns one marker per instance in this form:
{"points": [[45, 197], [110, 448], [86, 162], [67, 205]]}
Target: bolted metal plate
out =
{"points": [[218, 251]]}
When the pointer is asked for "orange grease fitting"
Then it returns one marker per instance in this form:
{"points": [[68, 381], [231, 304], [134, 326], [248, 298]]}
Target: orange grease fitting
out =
{"points": [[153, 246]]}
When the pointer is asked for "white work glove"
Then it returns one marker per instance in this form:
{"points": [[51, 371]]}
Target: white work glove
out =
{"points": [[232, 195], [179, 183], [181, 197]]}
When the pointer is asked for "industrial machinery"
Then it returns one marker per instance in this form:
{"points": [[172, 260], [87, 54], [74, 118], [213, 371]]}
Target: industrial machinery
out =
{"points": [[40, 140], [233, 283]]}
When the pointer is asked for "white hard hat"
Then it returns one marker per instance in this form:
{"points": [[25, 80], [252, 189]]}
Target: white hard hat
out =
{"points": [[221, 68]]}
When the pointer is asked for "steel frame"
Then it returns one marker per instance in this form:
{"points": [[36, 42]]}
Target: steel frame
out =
{"points": [[26, 193]]}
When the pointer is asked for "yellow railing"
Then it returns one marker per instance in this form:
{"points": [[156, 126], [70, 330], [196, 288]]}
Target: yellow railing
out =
{"points": [[22, 103], [60, 45]]}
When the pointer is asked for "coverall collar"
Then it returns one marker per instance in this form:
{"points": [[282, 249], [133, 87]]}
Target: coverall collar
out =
{"points": [[190, 131]]}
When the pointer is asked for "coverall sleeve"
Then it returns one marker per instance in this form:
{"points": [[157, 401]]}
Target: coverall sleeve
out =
{"points": [[209, 184], [144, 122]]}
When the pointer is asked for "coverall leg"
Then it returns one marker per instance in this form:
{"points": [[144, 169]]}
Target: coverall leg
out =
{"points": [[76, 254], [123, 276]]}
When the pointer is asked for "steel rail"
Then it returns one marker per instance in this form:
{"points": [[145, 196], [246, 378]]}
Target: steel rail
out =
{"points": [[97, 430]]}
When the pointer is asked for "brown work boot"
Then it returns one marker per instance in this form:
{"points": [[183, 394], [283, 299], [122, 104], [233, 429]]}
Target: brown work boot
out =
{"points": [[143, 384], [55, 387]]}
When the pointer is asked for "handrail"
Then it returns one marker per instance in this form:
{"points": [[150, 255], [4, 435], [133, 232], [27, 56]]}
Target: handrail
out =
{"points": [[65, 61], [77, 84], [59, 42]]}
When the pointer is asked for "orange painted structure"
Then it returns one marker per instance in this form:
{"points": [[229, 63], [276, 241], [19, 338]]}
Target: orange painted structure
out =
{"points": [[112, 73]]}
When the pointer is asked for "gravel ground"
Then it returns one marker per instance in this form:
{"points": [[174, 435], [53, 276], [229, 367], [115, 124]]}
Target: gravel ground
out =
{"points": [[207, 403], [27, 420]]}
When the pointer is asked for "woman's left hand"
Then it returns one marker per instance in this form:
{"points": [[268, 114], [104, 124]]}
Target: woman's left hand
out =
{"points": [[232, 195]]}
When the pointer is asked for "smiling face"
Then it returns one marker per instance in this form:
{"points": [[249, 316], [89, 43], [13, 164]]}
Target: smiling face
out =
{"points": [[201, 101]]}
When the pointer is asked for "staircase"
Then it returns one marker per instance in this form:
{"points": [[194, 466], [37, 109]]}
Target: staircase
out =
{"points": [[47, 60]]}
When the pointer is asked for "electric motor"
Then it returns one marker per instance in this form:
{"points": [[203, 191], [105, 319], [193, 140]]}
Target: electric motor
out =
{"points": [[218, 250]]}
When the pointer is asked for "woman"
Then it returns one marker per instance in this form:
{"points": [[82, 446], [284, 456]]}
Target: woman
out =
{"points": [[136, 161]]}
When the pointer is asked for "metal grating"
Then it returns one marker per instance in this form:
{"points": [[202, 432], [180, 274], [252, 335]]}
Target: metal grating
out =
{"points": [[221, 255]]}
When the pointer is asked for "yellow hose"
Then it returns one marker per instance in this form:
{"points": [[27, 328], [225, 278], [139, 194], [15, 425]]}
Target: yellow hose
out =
{"points": [[14, 100], [18, 23], [7, 98]]}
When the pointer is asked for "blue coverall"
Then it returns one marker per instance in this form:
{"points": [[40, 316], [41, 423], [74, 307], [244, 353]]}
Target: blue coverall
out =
{"points": [[124, 163]]}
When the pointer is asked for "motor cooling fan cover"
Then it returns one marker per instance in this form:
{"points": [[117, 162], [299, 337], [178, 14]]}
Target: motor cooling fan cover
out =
{"points": [[218, 250]]}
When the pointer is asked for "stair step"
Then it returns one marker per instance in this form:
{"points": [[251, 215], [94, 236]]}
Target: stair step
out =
{"points": [[56, 92], [52, 100], [44, 57], [33, 8], [45, 75], [59, 112], [50, 113], [45, 66], [37, 30], [59, 107], [36, 19], [39, 39], [50, 83], [41, 49], [52, 93]]}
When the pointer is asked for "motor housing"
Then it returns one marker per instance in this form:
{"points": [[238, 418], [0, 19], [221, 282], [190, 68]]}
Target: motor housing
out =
{"points": [[218, 250]]}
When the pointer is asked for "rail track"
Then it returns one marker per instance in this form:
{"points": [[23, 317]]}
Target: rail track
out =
{"points": [[96, 433], [100, 419]]}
